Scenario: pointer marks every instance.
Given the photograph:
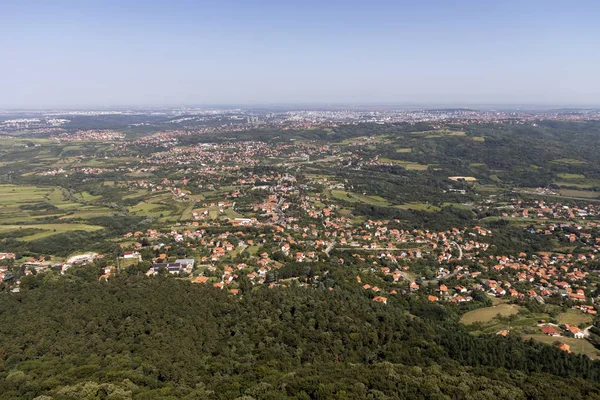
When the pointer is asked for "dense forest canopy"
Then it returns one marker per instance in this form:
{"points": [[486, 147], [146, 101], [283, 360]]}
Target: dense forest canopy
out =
{"points": [[74, 337]]}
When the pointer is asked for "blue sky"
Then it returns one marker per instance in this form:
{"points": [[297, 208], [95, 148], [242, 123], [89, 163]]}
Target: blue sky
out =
{"points": [[102, 53]]}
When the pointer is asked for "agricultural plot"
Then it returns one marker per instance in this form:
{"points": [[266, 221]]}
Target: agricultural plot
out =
{"points": [[43, 209]]}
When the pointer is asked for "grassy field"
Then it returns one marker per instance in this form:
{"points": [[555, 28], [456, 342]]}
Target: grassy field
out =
{"points": [[488, 313], [186, 214], [580, 346], [574, 317], [252, 250], [343, 195], [359, 198], [570, 176], [419, 207], [149, 209], [567, 161], [439, 133], [30, 204], [585, 194], [86, 196], [12, 194], [48, 229], [580, 184], [405, 164]]}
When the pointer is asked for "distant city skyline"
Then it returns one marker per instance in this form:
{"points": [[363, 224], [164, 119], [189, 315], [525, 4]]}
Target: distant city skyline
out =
{"points": [[70, 54]]}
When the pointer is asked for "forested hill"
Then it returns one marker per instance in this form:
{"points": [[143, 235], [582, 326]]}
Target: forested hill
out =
{"points": [[73, 337]]}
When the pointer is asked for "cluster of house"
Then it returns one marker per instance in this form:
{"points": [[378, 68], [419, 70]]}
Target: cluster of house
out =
{"points": [[86, 135], [184, 265], [543, 277], [460, 252], [241, 154], [568, 330], [541, 209], [7, 256]]}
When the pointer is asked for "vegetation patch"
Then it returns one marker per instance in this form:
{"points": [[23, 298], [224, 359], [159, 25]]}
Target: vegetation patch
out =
{"points": [[570, 176], [578, 346], [574, 317], [567, 161], [48, 229], [585, 194], [486, 314]]}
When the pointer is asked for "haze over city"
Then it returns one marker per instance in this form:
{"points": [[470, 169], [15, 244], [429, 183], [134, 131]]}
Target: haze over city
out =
{"points": [[78, 54]]}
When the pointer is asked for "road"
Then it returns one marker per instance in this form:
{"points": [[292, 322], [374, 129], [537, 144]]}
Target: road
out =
{"points": [[460, 252], [330, 247]]}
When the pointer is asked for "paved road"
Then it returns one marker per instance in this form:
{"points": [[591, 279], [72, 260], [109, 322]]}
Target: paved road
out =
{"points": [[460, 253], [329, 248]]}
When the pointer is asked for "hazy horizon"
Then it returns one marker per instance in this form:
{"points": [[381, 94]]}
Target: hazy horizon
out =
{"points": [[383, 53], [307, 107]]}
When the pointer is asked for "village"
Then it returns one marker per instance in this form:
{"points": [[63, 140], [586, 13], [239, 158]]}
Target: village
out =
{"points": [[237, 215]]}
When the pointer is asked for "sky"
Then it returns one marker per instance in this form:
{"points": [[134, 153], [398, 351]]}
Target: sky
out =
{"points": [[91, 53]]}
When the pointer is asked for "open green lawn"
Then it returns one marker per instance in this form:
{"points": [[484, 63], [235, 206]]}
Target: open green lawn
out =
{"points": [[149, 209], [186, 214], [574, 317], [343, 195], [230, 213], [488, 313], [252, 249], [579, 346], [86, 196]]}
